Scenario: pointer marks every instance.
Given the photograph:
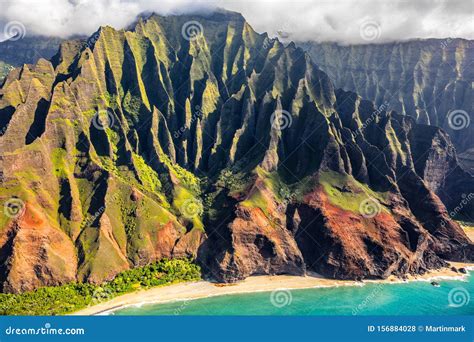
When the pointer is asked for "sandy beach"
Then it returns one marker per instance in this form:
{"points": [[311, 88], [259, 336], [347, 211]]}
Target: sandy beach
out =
{"points": [[202, 289], [469, 230]]}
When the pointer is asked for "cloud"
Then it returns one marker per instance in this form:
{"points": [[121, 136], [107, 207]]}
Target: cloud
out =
{"points": [[345, 21], [65, 18]]}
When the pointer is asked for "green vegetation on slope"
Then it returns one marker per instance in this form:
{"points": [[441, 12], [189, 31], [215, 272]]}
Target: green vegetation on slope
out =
{"points": [[58, 300], [346, 192], [4, 70]]}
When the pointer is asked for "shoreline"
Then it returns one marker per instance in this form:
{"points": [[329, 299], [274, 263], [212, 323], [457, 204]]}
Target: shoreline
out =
{"points": [[204, 289]]}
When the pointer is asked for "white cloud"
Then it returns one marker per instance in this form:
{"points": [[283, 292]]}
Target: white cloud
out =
{"points": [[335, 20]]}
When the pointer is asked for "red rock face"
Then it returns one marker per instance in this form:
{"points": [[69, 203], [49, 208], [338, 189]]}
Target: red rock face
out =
{"points": [[314, 234], [259, 247], [188, 244], [39, 254], [343, 244]]}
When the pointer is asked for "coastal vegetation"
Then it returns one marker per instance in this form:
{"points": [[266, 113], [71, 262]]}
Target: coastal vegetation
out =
{"points": [[59, 300]]}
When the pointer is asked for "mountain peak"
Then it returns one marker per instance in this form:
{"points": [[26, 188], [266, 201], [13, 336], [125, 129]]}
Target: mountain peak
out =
{"points": [[216, 15]]}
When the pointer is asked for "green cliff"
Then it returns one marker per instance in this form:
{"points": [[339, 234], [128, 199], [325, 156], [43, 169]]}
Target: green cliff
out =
{"points": [[426, 79]]}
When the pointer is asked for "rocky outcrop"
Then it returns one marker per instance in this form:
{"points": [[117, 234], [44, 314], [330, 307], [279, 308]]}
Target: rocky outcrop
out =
{"points": [[27, 50], [220, 145], [252, 240], [34, 254], [365, 212]]}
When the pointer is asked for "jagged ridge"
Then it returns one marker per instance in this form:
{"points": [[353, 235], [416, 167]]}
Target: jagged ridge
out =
{"points": [[426, 79], [191, 163]]}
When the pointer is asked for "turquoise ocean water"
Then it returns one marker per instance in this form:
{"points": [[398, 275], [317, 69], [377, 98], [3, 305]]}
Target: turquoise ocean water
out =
{"points": [[452, 297]]}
